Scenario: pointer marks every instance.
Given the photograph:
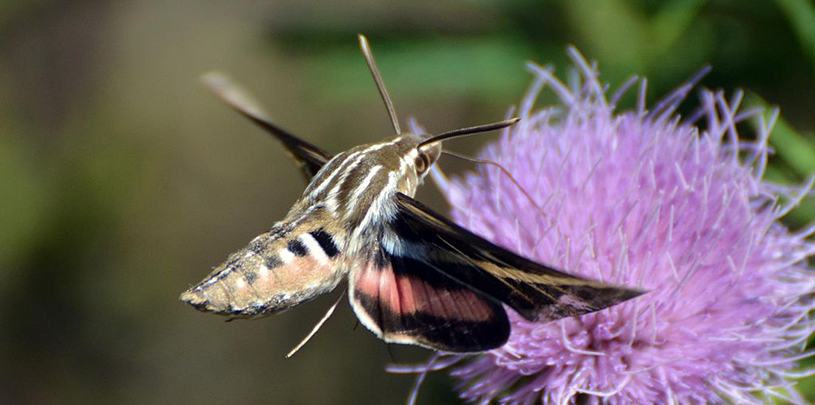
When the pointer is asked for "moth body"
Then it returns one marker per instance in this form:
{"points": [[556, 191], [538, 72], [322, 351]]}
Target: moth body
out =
{"points": [[278, 270], [414, 277], [342, 210]]}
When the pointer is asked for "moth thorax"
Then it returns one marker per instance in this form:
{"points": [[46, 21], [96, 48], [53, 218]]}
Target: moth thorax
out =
{"points": [[408, 183]]}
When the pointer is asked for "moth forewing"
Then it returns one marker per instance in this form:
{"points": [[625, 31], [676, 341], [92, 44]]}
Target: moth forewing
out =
{"points": [[310, 158]]}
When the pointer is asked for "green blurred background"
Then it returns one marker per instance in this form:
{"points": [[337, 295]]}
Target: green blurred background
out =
{"points": [[123, 180]]}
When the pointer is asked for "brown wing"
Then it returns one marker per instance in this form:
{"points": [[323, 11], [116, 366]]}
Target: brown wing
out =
{"points": [[537, 292], [309, 157]]}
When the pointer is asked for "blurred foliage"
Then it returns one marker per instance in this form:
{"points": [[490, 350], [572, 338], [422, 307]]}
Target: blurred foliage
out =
{"points": [[123, 181]]}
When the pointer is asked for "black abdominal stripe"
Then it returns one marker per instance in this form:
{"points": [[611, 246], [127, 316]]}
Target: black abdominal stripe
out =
{"points": [[318, 243]]}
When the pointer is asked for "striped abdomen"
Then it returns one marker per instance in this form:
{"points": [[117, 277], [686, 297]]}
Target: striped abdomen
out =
{"points": [[291, 264]]}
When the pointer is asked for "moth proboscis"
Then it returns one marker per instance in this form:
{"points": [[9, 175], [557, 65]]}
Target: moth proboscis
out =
{"points": [[414, 277]]}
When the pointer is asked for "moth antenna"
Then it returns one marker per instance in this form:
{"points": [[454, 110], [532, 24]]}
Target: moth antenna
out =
{"points": [[316, 327], [469, 131], [503, 169], [369, 59]]}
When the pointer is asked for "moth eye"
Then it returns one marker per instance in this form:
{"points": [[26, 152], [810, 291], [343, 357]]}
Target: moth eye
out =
{"points": [[421, 163]]}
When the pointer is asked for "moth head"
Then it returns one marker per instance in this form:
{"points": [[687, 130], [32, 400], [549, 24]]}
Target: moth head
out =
{"points": [[430, 146]]}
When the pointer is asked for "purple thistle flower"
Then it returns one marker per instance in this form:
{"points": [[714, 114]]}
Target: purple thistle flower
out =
{"points": [[643, 199]]}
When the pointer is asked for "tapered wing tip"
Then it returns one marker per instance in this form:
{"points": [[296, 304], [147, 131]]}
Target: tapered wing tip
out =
{"points": [[618, 295], [225, 87], [605, 297], [229, 91], [630, 294], [215, 80]]}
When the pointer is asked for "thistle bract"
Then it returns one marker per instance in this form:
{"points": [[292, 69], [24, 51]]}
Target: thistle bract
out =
{"points": [[646, 199]]}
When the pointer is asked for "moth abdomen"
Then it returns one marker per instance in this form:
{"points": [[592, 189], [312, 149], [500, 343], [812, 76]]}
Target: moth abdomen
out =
{"points": [[270, 275], [229, 289], [326, 242]]}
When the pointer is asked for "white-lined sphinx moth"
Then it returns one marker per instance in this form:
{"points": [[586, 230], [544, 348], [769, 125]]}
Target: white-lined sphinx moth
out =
{"points": [[414, 277]]}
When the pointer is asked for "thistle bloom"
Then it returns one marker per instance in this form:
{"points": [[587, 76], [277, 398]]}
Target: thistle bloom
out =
{"points": [[647, 200]]}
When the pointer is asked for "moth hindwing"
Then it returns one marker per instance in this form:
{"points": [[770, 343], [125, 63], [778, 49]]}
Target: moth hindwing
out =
{"points": [[414, 277]]}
